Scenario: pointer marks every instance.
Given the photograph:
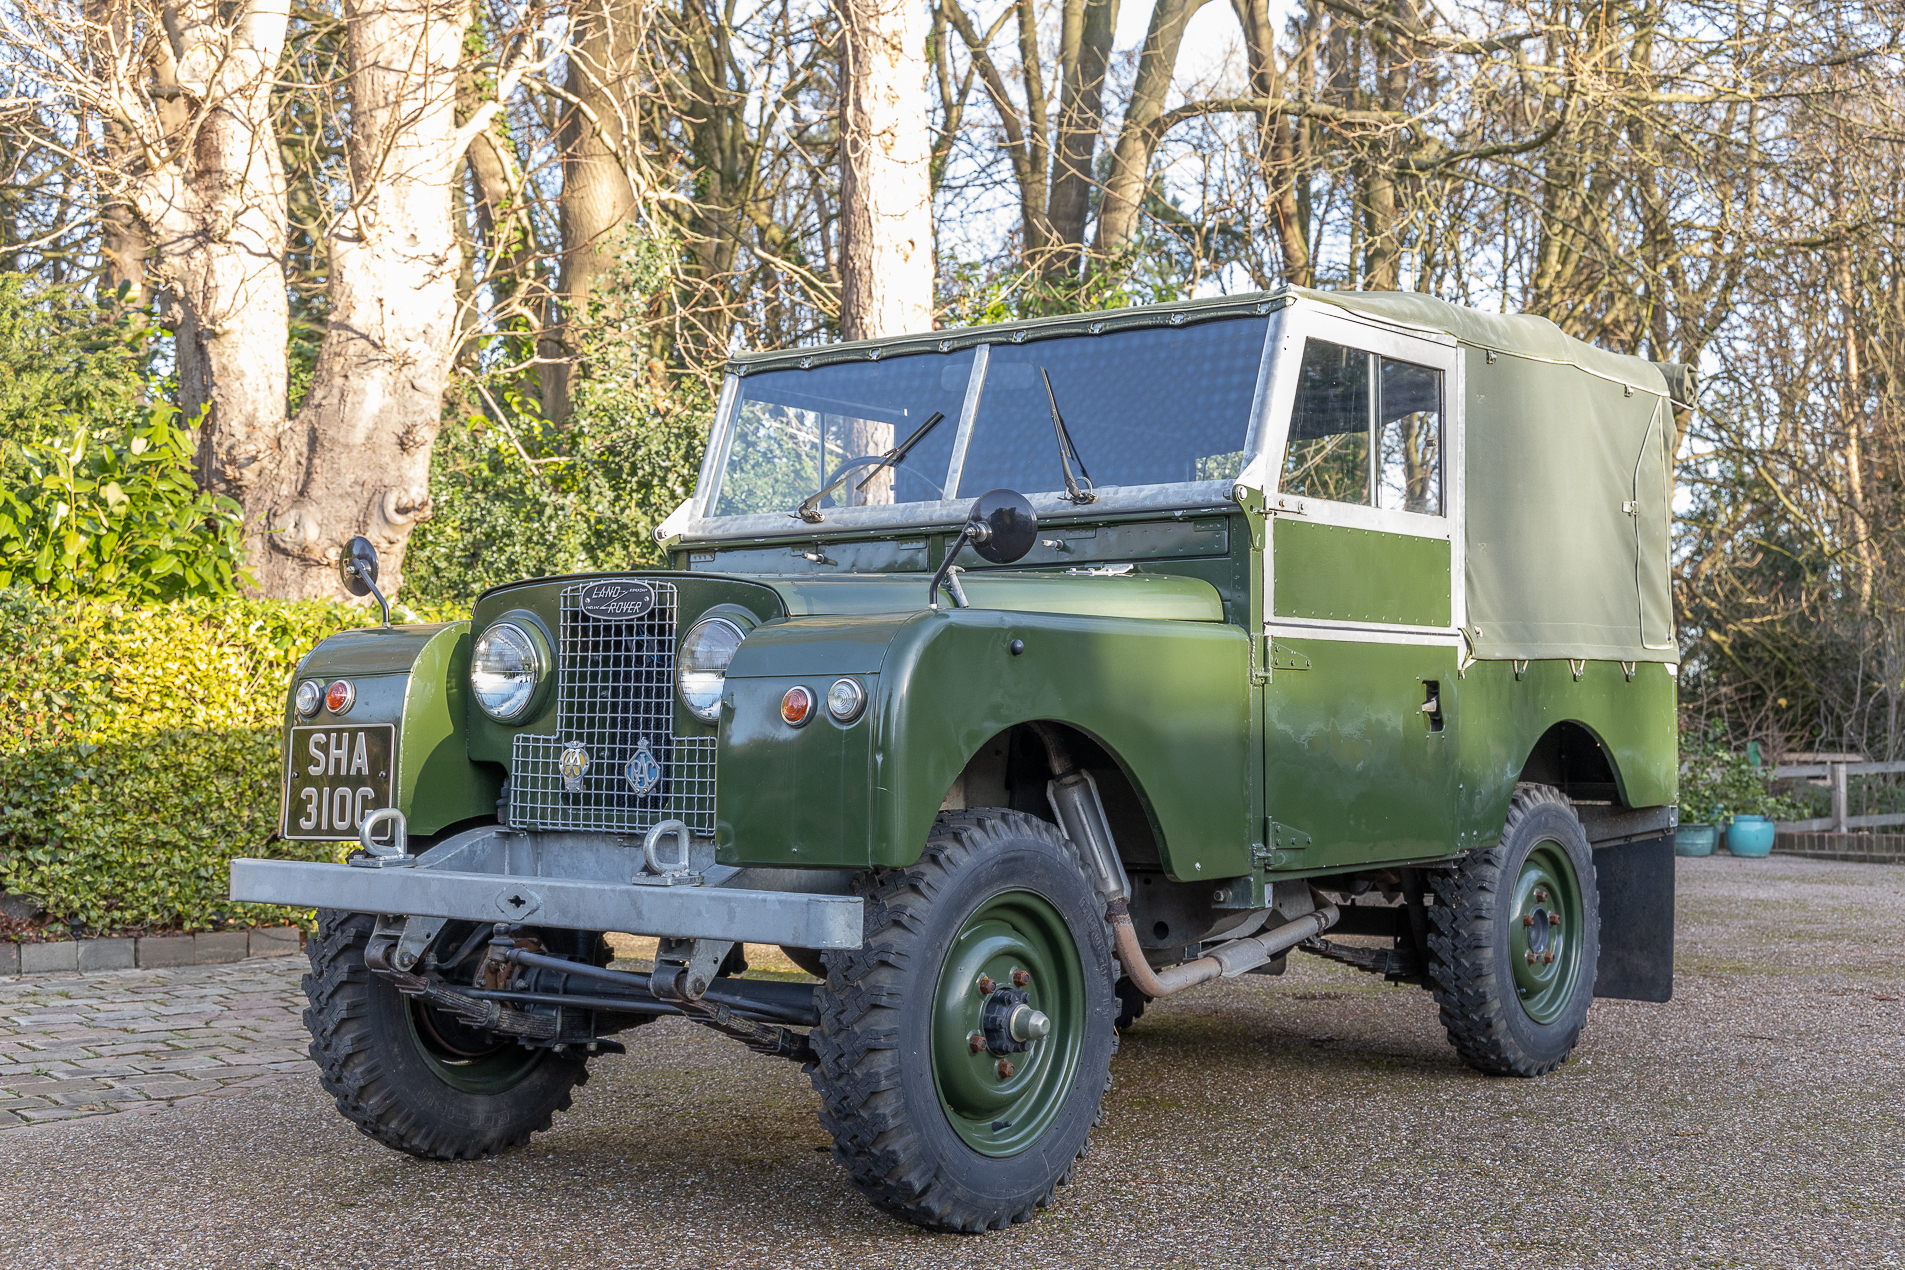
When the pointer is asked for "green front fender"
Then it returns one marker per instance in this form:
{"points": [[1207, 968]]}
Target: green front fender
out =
{"points": [[1167, 699]]}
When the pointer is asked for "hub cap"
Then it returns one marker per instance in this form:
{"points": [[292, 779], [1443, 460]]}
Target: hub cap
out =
{"points": [[1544, 932], [1008, 1023]]}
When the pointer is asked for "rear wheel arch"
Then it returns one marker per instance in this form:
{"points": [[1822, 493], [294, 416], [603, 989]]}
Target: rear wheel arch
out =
{"points": [[1573, 758]]}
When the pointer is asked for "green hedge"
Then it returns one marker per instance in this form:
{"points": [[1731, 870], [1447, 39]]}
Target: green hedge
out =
{"points": [[139, 753]]}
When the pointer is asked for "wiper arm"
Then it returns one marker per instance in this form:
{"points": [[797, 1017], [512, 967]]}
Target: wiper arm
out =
{"points": [[1068, 452], [809, 511]]}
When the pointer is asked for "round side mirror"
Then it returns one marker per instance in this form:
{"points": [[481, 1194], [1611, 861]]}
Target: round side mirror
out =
{"points": [[1011, 526], [357, 567]]}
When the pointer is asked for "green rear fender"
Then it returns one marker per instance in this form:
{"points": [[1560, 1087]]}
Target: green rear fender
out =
{"points": [[1167, 699]]}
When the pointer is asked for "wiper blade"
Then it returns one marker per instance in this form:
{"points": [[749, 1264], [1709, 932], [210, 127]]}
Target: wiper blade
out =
{"points": [[809, 511], [1068, 452]]}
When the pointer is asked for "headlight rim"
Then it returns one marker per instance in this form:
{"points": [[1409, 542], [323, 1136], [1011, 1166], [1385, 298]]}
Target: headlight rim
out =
{"points": [[742, 624], [537, 638], [298, 707]]}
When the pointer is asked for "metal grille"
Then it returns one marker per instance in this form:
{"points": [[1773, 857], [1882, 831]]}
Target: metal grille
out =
{"points": [[615, 690]]}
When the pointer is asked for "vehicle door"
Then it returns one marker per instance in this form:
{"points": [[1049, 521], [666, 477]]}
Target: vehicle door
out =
{"points": [[1363, 592]]}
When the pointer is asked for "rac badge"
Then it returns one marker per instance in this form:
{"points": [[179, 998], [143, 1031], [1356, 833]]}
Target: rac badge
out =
{"points": [[642, 772], [618, 601], [574, 766]]}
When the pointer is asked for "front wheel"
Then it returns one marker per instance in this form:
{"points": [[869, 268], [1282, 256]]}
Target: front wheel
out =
{"points": [[966, 1046], [416, 1079], [1515, 940]]}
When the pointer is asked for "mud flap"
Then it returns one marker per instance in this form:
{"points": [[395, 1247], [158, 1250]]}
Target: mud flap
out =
{"points": [[1636, 886]]}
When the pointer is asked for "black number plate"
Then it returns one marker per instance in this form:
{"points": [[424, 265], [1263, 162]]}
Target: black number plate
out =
{"points": [[336, 776]]}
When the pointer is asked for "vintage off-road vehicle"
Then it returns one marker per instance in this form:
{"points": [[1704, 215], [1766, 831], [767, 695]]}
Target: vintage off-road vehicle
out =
{"points": [[1010, 678]]}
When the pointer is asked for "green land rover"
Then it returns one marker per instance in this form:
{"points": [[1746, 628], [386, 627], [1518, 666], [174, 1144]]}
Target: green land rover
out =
{"points": [[1010, 678]]}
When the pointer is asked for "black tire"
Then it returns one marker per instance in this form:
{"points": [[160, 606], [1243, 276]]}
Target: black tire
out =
{"points": [[1498, 913], [876, 1075], [390, 1064], [1131, 1003]]}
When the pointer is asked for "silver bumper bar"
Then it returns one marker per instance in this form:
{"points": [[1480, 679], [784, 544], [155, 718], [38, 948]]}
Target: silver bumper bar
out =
{"points": [[485, 876]]}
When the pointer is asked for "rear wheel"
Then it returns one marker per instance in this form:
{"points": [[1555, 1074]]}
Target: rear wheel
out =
{"points": [[966, 1046], [1515, 940], [416, 1079]]}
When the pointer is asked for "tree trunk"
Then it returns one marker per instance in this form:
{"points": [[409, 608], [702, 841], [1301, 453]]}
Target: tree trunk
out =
{"points": [[886, 248], [376, 397], [1137, 136], [1084, 56], [597, 196], [216, 211]]}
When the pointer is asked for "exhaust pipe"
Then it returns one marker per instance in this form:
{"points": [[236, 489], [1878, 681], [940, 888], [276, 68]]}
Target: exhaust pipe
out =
{"points": [[1226, 961]]}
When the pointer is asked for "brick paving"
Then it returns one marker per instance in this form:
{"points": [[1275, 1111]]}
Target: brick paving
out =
{"points": [[132, 1041]]}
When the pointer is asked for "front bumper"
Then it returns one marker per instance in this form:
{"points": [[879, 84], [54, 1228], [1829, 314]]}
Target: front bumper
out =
{"points": [[570, 881]]}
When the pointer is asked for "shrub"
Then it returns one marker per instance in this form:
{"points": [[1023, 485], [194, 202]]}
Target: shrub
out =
{"points": [[1717, 782], [117, 512], [139, 752]]}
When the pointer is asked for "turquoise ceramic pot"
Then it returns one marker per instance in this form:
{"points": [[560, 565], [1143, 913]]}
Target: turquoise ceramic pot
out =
{"points": [[1750, 836], [1696, 840]]}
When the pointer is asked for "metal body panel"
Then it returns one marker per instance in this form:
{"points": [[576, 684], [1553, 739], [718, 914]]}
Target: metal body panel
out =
{"points": [[415, 678], [1168, 699], [1335, 573]]}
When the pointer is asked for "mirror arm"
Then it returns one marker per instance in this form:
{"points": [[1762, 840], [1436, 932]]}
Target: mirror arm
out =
{"points": [[974, 531], [365, 579]]}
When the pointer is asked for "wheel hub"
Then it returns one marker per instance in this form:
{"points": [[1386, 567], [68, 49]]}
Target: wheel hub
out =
{"points": [[1544, 924], [1007, 1023]]}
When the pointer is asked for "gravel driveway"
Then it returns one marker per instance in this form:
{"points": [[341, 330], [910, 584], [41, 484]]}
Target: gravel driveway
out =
{"points": [[1318, 1119]]}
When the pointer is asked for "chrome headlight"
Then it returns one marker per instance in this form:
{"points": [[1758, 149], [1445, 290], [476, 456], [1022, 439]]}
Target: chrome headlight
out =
{"points": [[701, 666], [505, 668]]}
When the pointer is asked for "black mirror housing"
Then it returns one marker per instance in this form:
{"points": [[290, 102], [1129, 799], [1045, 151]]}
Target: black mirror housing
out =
{"points": [[357, 567], [1011, 526]]}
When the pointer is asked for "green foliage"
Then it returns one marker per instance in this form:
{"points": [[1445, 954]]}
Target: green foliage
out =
{"points": [[139, 753], [65, 361], [517, 496], [1717, 782], [118, 515]]}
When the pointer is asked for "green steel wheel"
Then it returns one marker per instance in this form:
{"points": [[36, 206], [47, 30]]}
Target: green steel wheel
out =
{"points": [[410, 1077], [1514, 943], [965, 1047]]}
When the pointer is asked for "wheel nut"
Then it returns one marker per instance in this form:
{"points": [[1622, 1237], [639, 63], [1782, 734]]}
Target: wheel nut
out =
{"points": [[977, 1041], [1527, 919], [1020, 978], [1005, 1069], [1541, 897], [986, 986], [1549, 958], [1531, 959]]}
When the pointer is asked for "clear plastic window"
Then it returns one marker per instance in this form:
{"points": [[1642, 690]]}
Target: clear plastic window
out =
{"points": [[795, 430], [1365, 429]]}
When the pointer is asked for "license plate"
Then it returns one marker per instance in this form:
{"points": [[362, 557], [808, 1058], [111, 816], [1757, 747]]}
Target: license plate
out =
{"points": [[336, 776]]}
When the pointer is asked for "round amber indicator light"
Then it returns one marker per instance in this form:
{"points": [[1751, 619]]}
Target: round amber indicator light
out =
{"points": [[339, 696], [797, 706]]}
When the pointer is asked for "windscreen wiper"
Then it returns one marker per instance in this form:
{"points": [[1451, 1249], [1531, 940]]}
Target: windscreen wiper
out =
{"points": [[809, 511], [1068, 452]]}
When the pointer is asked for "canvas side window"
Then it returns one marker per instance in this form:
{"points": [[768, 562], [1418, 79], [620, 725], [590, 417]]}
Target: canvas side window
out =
{"points": [[1328, 452], [1365, 429], [1409, 439]]}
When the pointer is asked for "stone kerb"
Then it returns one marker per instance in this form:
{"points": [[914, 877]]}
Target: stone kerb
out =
{"points": [[210, 948]]}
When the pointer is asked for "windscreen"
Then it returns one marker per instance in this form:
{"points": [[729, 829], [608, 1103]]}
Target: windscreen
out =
{"points": [[1146, 407], [795, 430]]}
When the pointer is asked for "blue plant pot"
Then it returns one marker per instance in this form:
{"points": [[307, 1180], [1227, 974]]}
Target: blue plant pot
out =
{"points": [[1750, 836], [1696, 840]]}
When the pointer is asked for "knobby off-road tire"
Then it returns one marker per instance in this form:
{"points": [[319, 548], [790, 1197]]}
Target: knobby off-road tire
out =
{"points": [[416, 1083], [1514, 940], [926, 1128]]}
